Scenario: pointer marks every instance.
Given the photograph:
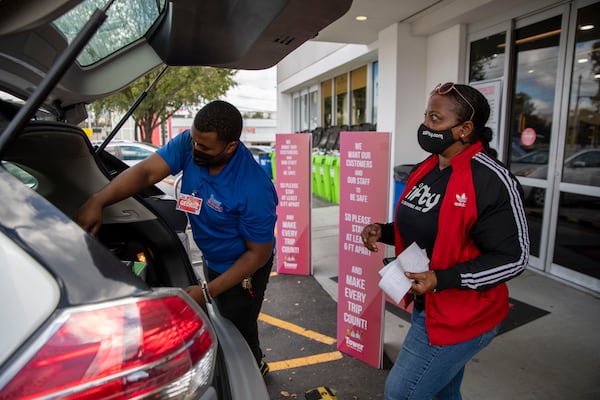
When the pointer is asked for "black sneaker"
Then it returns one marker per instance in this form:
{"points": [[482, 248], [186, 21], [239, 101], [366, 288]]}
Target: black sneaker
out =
{"points": [[264, 368]]}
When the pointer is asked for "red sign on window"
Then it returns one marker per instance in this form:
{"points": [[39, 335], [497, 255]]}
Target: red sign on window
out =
{"points": [[528, 136]]}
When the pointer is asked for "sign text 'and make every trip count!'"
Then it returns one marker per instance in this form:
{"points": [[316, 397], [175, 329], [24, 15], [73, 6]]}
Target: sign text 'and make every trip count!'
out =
{"points": [[364, 173], [293, 155]]}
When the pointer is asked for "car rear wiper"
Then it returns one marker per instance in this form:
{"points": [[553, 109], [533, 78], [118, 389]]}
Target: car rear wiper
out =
{"points": [[55, 73], [130, 111]]}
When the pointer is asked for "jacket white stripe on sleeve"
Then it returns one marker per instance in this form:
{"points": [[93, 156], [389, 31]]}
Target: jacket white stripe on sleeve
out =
{"points": [[506, 271]]}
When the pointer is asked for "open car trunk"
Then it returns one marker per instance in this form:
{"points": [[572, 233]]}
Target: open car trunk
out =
{"points": [[42, 64], [145, 227]]}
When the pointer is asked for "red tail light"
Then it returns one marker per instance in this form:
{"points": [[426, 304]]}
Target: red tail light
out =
{"points": [[158, 346]]}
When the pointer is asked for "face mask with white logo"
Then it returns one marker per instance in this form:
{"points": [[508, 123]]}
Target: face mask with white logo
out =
{"points": [[433, 141]]}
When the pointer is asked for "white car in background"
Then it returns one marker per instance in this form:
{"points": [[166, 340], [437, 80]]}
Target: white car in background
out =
{"points": [[582, 167], [260, 150], [132, 153]]}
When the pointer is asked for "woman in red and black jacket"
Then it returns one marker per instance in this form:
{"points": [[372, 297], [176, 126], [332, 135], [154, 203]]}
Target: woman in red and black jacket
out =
{"points": [[465, 209]]}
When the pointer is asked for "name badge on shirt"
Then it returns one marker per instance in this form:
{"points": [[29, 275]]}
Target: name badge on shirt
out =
{"points": [[189, 204]]}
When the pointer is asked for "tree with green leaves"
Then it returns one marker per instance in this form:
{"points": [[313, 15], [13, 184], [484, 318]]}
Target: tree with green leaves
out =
{"points": [[178, 87]]}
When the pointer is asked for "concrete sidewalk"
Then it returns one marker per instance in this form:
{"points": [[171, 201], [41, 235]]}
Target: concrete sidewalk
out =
{"points": [[556, 356]]}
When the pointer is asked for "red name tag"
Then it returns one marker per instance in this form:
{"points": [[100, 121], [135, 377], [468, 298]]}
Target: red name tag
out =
{"points": [[189, 204]]}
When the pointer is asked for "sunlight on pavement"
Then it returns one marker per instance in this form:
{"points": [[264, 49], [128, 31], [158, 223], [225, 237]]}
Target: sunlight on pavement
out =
{"points": [[296, 329], [304, 361]]}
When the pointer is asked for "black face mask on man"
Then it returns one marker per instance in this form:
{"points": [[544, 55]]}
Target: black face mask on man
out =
{"points": [[433, 141], [203, 159]]}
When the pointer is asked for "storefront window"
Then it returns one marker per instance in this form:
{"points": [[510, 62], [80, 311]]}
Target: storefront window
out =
{"points": [[582, 145], [341, 100], [487, 58], [304, 112], [486, 73], [530, 126], [326, 103], [577, 244], [313, 109], [296, 113], [358, 83]]}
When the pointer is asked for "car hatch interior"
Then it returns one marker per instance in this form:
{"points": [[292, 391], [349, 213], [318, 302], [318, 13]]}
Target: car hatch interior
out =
{"points": [[63, 162], [243, 34]]}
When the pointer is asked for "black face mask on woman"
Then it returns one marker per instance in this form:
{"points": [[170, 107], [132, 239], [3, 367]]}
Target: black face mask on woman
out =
{"points": [[433, 141]]}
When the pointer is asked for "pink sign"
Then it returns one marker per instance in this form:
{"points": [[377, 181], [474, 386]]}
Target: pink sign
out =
{"points": [[528, 136], [293, 179], [364, 186]]}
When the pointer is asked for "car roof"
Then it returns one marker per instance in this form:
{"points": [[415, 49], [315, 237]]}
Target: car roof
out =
{"points": [[236, 34]]}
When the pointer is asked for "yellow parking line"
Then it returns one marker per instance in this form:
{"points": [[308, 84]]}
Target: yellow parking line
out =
{"points": [[273, 273], [296, 329], [304, 361]]}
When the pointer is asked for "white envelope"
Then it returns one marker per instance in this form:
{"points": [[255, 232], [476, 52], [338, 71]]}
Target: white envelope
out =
{"points": [[393, 281]]}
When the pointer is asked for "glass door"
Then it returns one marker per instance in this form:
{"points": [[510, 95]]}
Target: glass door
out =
{"points": [[576, 253], [532, 119]]}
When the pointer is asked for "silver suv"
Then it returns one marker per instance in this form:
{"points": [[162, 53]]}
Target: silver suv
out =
{"points": [[104, 316]]}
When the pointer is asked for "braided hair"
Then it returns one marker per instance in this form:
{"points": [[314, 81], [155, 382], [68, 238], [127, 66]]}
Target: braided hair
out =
{"points": [[481, 132]]}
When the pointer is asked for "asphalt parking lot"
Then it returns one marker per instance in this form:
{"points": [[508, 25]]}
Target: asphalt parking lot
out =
{"points": [[298, 330]]}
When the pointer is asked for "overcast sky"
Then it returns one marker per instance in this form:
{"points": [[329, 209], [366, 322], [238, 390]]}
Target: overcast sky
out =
{"points": [[256, 90]]}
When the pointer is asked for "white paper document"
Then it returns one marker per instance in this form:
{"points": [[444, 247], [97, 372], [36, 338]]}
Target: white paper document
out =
{"points": [[393, 281]]}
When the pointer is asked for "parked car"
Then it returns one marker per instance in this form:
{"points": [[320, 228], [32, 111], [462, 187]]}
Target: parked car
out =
{"points": [[259, 150], [105, 316], [582, 167], [533, 165], [132, 153], [262, 155]]}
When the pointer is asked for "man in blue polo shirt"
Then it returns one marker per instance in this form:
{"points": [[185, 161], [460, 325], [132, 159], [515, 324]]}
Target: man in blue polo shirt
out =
{"points": [[231, 205]]}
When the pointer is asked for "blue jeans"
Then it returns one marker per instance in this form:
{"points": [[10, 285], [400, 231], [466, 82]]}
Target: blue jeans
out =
{"points": [[423, 371]]}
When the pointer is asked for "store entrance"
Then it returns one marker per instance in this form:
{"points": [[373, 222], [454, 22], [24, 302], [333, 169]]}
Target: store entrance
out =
{"points": [[576, 238], [555, 141], [532, 125]]}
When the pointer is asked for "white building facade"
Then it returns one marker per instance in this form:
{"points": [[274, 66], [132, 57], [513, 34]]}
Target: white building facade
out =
{"points": [[254, 131], [539, 64]]}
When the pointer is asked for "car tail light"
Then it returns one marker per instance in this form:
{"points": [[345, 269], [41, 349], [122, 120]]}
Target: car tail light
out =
{"points": [[158, 346]]}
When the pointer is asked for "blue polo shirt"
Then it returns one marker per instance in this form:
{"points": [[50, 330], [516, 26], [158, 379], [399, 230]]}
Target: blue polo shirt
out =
{"points": [[238, 204]]}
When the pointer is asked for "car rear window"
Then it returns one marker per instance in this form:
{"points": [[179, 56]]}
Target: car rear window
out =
{"points": [[128, 21]]}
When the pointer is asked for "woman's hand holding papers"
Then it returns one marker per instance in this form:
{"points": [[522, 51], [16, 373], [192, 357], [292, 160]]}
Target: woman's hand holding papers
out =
{"points": [[422, 282], [409, 272]]}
